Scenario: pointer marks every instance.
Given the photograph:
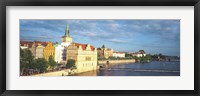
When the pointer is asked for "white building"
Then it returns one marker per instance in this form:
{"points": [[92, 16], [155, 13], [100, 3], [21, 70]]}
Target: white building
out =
{"points": [[58, 53], [25, 44], [119, 54], [85, 56], [61, 50], [140, 53], [23, 47]]}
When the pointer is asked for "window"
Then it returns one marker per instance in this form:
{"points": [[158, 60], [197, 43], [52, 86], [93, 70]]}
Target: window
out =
{"points": [[88, 58]]}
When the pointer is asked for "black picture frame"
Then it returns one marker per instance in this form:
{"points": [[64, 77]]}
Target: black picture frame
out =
{"points": [[5, 92]]}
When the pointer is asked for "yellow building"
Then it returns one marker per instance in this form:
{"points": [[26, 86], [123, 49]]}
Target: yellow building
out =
{"points": [[85, 56], [49, 50]]}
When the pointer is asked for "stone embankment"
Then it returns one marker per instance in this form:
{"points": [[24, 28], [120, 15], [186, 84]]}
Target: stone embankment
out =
{"points": [[66, 72], [57, 73], [116, 61]]}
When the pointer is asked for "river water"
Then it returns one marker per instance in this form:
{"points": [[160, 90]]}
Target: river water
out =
{"points": [[154, 68]]}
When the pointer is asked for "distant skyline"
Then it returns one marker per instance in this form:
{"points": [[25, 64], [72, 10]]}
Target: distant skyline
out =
{"points": [[153, 36]]}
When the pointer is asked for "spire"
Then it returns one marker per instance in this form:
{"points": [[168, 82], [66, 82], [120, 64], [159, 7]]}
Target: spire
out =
{"points": [[67, 30], [103, 46]]}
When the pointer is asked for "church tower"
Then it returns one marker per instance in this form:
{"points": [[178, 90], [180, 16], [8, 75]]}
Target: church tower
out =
{"points": [[66, 38]]}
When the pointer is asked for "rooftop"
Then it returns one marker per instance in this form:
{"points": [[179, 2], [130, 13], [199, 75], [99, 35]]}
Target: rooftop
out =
{"points": [[84, 46]]}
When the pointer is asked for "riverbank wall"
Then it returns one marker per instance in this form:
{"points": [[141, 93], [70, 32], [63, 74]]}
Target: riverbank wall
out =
{"points": [[116, 61], [57, 73], [66, 72]]}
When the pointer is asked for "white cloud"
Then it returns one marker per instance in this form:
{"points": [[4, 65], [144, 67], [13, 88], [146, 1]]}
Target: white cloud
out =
{"points": [[116, 41]]}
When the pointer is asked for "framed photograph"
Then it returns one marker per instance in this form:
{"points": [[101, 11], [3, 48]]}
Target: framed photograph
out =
{"points": [[120, 47]]}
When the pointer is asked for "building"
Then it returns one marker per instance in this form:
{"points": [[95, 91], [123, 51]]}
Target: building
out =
{"points": [[49, 50], [39, 51], [140, 53], [57, 57], [33, 49], [66, 38], [85, 56], [32, 46], [119, 54], [105, 52], [25, 44], [58, 54], [60, 50]]}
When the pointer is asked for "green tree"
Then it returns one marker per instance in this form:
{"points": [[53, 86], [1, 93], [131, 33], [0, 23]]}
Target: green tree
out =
{"points": [[128, 55], [40, 64], [71, 64], [26, 59], [22, 61], [51, 62], [112, 58], [148, 57]]}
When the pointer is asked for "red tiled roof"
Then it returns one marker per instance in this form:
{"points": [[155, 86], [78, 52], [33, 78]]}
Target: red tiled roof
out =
{"points": [[30, 44], [39, 42], [22, 43], [44, 43], [84, 46]]}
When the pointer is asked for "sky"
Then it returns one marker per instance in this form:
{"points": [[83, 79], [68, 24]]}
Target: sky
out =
{"points": [[152, 36]]}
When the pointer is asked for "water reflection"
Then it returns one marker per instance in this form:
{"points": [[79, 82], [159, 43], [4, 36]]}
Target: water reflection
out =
{"points": [[156, 68]]}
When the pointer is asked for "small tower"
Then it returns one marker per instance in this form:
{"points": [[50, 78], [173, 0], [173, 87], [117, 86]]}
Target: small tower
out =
{"points": [[66, 38]]}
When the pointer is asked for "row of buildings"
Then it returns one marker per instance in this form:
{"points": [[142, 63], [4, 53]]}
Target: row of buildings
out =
{"points": [[85, 55], [107, 52]]}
